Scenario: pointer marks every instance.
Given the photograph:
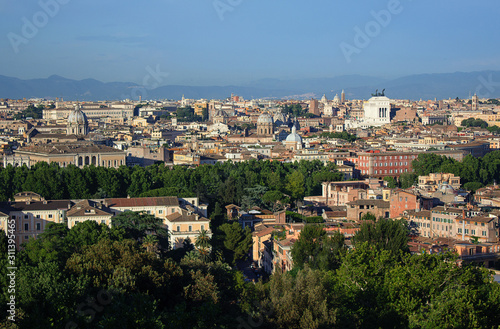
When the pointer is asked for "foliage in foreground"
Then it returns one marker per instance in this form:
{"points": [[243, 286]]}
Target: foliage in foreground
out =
{"points": [[95, 277]]}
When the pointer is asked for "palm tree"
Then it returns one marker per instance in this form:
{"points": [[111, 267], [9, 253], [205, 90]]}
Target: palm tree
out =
{"points": [[203, 246], [203, 240], [150, 242]]}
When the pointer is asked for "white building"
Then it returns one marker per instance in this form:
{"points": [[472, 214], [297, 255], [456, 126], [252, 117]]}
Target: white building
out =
{"points": [[377, 112]]}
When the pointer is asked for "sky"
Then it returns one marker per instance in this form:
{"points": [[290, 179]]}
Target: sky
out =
{"points": [[223, 42]]}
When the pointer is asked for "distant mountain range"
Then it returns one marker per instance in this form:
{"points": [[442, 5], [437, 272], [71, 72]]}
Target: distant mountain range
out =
{"points": [[415, 87]]}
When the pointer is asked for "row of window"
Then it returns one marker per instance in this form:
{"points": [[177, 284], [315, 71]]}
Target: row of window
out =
{"points": [[396, 171], [37, 225], [27, 216], [442, 220], [389, 164], [190, 228], [389, 157], [468, 222], [472, 232], [445, 228]]}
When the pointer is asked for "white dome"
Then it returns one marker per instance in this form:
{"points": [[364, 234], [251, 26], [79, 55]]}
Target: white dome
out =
{"points": [[265, 118], [294, 137], [77, 117]]}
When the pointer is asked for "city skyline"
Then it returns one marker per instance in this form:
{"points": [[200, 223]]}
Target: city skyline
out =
{"points": [[224, 42]]}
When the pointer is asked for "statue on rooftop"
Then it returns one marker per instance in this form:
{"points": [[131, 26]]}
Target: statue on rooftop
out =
{"points": [[379, 94]]}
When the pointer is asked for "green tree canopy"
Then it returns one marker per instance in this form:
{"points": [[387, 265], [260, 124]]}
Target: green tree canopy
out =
{"points": [[384, 234], [138, 225], [316, 249], [236, 241]]}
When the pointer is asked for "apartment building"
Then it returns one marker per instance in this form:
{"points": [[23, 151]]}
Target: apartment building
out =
{"points": [[32, 217], [183, 217], [403, 201], [433, 180], [455, 223], [89, 210], [359, 208], [385, 164]]}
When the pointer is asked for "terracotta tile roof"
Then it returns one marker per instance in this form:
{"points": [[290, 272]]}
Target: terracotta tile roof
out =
{"points": [[265, 231], [143, 202], [88, 208], [184, 216], [364, 202], [286, 242], [422, 213]]}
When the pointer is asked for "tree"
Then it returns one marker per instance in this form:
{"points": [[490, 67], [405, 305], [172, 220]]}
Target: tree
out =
{"points": [[391, 182], [253, 197], [316, 249], [471, 122], [150, 243], [203, 246], [369, 216], [384, 234], [275, 200], [295, 185], [407, 180], [236, 241], [297, 302], [204, 114], [472, 186], [86, 233], [50, 246], [138, 225]]}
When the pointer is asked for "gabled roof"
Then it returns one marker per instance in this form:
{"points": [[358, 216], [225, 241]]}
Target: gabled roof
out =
{"points": [[185, 216], [88, 208]]}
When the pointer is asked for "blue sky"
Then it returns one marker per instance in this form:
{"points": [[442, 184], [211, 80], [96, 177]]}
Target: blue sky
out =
{"points": [[191, 42]]}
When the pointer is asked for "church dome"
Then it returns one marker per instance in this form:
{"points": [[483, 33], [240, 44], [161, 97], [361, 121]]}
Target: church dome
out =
{"points": [[294, 137], [77, 117], [265, 118], [279, 117]]}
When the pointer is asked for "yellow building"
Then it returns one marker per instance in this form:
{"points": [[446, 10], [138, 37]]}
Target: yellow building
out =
{"points": [[186, 225], [78, 154], [199, 107], [186, 158], [183, 217], [89, 210], [32, 217]]}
